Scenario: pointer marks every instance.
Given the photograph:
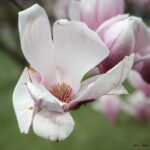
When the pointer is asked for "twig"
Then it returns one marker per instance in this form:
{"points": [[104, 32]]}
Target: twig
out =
{"points": [[14, 2]]}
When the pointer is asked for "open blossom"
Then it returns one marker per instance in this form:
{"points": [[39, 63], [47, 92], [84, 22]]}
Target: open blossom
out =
{"points": [[124, 35], [53, 82], [109, 105], [95, 12], [137, 105]]}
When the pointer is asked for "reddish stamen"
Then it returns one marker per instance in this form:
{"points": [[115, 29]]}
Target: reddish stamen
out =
{"points": [[63, 92]]}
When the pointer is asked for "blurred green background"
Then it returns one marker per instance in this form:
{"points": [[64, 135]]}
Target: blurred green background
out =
{"points": [[92, 130]]}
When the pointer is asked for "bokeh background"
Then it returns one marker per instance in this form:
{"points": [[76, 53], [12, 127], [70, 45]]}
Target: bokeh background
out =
{"points": [[92, 130]]}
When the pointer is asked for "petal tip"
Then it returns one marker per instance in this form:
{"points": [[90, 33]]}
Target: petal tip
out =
{"points": [[28, 14], [62, 22], [34, 7], [57, 126]]}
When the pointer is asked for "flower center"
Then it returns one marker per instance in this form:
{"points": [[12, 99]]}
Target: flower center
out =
{"points": [[63, 92]]}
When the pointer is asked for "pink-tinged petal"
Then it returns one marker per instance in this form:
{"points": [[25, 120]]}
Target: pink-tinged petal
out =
{"points": [[137, 80], [110, 105], [74, 9], [137, 105], [120, 90], [44, 98], [98, 10], [110, 30], [107, 24], [53, 125], [107, 9], [36, 42], [123, 46], [119, 38], [142, 36], [103, 84], [24, 106], [89, 8], [78, 49], [35, 77]]}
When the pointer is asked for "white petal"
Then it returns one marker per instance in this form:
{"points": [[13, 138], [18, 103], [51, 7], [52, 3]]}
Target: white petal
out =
{"points": [[24, 106], [44, 98], [36, 42], [52, 125], [119, 90], [78, 49], [104, 83]]}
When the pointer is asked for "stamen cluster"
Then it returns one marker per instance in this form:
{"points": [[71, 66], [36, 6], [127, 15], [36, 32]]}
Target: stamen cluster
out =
{"points": [[63, 92]]}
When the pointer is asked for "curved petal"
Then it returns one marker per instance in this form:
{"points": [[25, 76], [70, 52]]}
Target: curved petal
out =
{"points": [[36, 42], [52, 125], [78, 49], [137, 80], [89, 8], [142, 35], [107, 24], [119, 90], [34, 76], [44, 98], [119, 37], [108, 9], [122, 46], [98, 10], [24, 106], [104, 84]]}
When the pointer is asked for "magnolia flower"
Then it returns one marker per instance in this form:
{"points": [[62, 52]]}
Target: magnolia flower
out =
{"points": [[137, 105], [109, 105], [124, 35], [95, 12], [53, 82]]}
